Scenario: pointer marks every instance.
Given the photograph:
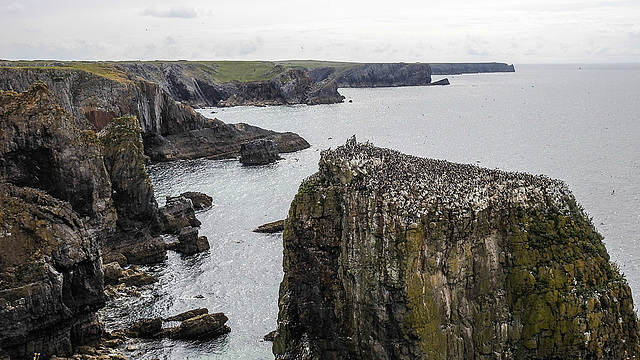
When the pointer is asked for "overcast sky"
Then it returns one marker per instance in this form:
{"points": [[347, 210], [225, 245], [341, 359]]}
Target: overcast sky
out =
{"points": [[513, 31]]}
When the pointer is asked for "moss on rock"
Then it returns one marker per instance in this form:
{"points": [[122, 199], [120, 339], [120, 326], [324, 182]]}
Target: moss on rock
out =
{"points": [[392, 256]]}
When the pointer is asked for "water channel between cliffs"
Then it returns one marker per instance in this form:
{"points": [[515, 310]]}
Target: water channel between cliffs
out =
{"points": [[577, 125]]}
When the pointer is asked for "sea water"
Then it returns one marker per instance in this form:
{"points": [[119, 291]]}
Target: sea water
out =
{"points": [[577, 123]]}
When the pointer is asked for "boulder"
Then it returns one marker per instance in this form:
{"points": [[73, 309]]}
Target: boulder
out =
{"points": [[146, 250], [201, 327], [270, 228], [112, 273], [188, 314], [199, 200], [135, 276], [190, 243], [444, 81], [259, 152], [145, 328], [177, 214]]}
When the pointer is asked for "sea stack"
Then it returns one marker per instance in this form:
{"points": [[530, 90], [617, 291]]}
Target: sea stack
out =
{"points": [[390, 256]]}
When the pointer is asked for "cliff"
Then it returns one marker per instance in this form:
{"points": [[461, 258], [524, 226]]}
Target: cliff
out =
{"points": [[67, 197], [389, 256], [470, 68], [96, 93], [55, 206]]}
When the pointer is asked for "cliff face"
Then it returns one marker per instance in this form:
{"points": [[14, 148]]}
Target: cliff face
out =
{"points": [[169, 127], [55, 205], [388, 256], [470, 68], [374, 75], [201, 84]]}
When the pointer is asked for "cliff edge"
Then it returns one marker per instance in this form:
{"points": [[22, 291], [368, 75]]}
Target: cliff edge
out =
{"points": [[390, 256]]}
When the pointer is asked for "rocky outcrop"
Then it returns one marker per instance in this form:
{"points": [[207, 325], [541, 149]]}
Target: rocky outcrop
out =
{"points": [[259, 152], [40, 147], [177, 213], [389, 256], [55, 205], [190, 243], [195, 324], [270, 228], [170, 129], [199, 200]]}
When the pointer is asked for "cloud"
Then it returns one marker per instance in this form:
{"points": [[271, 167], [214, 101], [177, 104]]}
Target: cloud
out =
{"points": [[183, 12], [14, 8]]}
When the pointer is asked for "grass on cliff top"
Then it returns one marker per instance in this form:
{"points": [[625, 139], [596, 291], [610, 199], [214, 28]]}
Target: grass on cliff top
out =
{"points": [[104, 69]]}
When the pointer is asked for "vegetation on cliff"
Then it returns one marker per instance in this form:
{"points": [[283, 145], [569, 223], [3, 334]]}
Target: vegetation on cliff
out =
{"points": [[390, 256]]}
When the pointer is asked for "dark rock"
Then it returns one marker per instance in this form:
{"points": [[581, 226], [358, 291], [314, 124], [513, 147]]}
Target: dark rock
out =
{"points": [[190, 243], [135, 276], [145, 250], [114, 256], [132, 190], [43, 149], [444, 81], [56, 284], [272, 227], [177, 214], [390, 256], [146, 328], [54, 205], [270, 336], [199, 200], [112, 273], [4, 355], [259, 152], [201, 327], [188, 314]]}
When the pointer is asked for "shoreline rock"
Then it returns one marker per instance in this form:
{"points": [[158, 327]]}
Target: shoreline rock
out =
{"points": [[271, 228], [259, 152]]}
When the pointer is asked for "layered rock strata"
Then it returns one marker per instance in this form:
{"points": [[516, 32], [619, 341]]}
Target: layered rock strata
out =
{"points": [[170, 129], [259, 152], [55, 205], [389, 256]]}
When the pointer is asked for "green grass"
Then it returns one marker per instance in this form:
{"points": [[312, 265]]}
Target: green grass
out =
{"points": [[104, 69]]}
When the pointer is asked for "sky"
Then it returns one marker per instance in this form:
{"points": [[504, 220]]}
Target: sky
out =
{"points": [[514, 31]]}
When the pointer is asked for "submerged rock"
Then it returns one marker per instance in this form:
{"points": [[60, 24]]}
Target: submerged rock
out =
{"points": [[389, 256], [259, 152]]}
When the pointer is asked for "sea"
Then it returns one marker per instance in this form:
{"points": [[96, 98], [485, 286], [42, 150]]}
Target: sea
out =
{"points": [[579, 123]]}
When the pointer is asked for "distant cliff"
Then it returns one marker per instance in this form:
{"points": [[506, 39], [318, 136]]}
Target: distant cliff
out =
{"points": [[389, 256], [375, 75], [470, 68], [97, 93]]}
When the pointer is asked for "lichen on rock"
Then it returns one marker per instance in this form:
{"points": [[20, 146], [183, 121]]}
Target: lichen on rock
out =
{"points": [[391, 256]]}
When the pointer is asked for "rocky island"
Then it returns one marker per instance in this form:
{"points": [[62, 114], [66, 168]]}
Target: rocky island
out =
{"points": [[390, 256]]}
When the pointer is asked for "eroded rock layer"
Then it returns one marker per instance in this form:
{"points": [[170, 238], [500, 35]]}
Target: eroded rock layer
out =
{"points": [[389, 256]]}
